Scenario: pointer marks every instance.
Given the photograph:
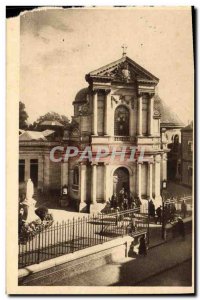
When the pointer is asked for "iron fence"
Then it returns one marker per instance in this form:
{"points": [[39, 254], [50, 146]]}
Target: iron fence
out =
{"points": [[73, 235]]}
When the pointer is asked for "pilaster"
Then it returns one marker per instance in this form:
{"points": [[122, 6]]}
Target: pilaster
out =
{"points": [[150, 115], [107, 112], [94, 128], [139, 183], [94, 184], [139, 123], [150, 180]]}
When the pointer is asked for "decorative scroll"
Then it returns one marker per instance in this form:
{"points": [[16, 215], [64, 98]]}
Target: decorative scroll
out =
{"points": [[123, 99]]}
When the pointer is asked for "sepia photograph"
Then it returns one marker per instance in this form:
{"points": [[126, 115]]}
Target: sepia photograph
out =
{"points": [[101, 148]]}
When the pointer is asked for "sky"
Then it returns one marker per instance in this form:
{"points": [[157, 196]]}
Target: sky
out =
{"points": [[59, 46]]}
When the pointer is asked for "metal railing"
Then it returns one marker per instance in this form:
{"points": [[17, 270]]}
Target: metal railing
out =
{"points": [[76, 234]]}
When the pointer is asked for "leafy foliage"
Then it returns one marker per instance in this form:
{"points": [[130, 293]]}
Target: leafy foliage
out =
{"points": [[28, 231], [50, 116], [23, 116]]}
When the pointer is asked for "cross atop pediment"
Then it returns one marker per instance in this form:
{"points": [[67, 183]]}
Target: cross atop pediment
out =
{"points": [[124, 47]]}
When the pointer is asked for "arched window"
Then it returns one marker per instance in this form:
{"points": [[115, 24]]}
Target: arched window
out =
{"points": [[76, 176], [122, 121]]}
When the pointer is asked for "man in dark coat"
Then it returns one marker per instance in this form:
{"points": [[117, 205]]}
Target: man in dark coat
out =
{"points": [[181, 227], [151, 209], [142, 246], [114, 201], [183, 209], [159, 214]]}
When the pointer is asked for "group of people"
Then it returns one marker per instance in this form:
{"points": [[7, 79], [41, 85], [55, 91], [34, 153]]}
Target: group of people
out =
{"points": [[124, 200], [166, 213], [142, 247]]}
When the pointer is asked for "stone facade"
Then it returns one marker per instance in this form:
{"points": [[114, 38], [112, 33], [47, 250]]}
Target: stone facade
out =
{"points": [[187, 155], [116, 111]]}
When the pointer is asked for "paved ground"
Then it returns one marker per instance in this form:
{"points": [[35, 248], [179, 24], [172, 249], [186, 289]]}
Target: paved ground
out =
{"points": [[131, 271], [181, 275], [178, 190]]}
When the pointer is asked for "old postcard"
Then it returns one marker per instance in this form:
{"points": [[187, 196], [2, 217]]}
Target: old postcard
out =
{"points": [[100, 175]]}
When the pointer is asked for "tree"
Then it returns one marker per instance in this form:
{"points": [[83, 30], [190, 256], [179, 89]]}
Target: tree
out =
{"points": [[50, 116], [23, 116]]}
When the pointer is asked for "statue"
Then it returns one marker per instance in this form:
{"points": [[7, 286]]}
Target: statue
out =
{"points": [[28, 204], [29, 189]]}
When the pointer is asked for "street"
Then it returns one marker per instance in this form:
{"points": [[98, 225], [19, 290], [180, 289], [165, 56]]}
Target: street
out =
{"points": [[142, 270], [181, 275]]}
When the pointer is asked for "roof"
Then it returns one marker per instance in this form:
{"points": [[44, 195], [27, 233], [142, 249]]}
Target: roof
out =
{"points": [[32, 136], [21, 131], [81, 96], [169, 119], [47, 132], [51, 123], [109, 71], [188, 127]]}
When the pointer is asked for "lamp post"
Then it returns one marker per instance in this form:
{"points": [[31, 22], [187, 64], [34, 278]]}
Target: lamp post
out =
{"points": [[163, 187], [148, 231]]}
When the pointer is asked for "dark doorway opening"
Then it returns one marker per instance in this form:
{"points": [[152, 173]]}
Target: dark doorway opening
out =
{"points": [[21, 170], [34, 171], [121, 180]]}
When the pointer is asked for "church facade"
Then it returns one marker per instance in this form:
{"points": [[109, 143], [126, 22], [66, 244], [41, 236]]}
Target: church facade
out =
{"points": [[116, 111]]}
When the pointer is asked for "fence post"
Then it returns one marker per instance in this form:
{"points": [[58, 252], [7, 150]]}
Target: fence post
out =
{"points": [[102, 228], [38, 256], [122, 227], [73, 228]]}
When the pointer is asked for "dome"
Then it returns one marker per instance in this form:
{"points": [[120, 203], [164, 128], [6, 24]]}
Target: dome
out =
{"points": [[168, 118], [81, 96]]}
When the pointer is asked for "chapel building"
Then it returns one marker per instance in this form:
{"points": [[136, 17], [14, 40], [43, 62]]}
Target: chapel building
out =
{"points": [[116, 111]]}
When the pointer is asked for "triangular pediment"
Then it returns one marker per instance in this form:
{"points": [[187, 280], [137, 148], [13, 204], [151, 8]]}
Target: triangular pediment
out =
{"points": [[124, 69]]}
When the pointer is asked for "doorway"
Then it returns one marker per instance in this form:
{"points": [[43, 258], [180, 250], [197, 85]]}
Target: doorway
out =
{"points": [[121, 180]]}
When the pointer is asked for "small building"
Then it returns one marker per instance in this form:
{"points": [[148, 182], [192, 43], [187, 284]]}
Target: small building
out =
{"points": [[34, 161], [187, 155], [56, 126], [170, 127]]}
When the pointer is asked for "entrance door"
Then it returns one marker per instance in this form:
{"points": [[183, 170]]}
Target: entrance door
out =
{"points": [[34, 171], [121, 180]]}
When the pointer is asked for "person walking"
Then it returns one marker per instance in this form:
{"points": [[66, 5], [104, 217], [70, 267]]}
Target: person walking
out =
{"points": [[181, 228], [159, 214], [183, 209], [151, 209], [125, 203], [114, 203], [172, 212], [142, 246]]}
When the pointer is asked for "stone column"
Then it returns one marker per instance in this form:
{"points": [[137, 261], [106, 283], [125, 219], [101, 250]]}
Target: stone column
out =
{"points": [[106, 182], [139, 121], [107, 111], [46, 171], [158, 200], [64, 173], [139, 184], [150, 114], [132, 186], [94, 129], [94, 184], [83, 183], [41, 173], [164, 167], [27, 169], [150, 180]]}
